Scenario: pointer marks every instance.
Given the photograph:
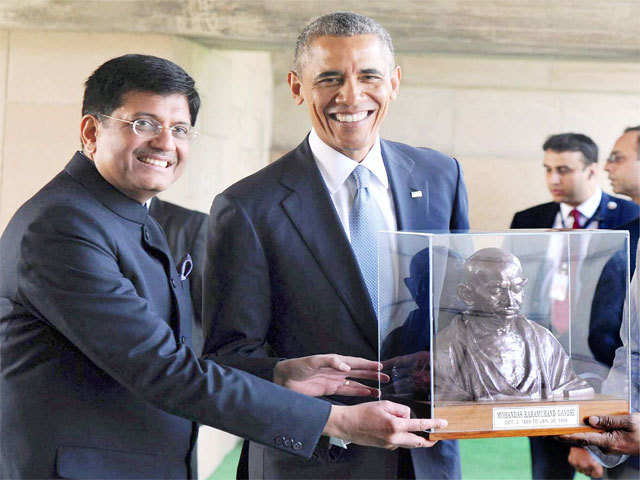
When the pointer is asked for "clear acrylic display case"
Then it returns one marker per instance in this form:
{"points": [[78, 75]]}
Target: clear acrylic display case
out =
{"points": [[504, 334]]}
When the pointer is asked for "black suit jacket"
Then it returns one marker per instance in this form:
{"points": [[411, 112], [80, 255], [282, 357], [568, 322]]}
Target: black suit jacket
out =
{"points": [[281, 281], [186, 232], [97, 379]]}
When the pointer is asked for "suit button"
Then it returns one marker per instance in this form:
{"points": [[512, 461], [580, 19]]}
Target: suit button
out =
{"points": [[183, 340], [297, 445], [174, 284], [146, 234], [288, 442]]}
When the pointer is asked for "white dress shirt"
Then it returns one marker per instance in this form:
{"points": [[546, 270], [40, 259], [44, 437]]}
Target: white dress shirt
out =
{"points": [[587, 209], [336, 169]]}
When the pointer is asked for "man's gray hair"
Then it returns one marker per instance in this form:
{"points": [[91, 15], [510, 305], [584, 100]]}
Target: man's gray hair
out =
{"points": [[339, 24], [635, 129]]}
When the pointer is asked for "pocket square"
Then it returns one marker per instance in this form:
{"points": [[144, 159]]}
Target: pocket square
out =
{"points": [[185, 267]]}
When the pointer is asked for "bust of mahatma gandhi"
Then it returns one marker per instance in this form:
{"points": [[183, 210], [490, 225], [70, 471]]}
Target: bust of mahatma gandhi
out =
{"points": [[491, 351]]}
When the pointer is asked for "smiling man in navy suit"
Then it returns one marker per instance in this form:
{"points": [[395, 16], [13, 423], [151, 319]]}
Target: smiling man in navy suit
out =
{"points": [[303, 276]]}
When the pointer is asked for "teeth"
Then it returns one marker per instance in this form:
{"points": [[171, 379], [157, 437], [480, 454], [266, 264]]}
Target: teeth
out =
{"points": [[351, 117], [153, 161]]}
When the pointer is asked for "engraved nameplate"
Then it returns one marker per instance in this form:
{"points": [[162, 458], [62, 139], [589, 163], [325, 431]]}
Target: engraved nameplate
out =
{"points": [[509, 418]]}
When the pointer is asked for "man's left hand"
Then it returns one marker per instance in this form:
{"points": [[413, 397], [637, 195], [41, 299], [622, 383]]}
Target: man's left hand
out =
{"points": [[329, 374]]}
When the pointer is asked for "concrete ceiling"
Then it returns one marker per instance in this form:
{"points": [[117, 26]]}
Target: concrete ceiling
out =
{"points": [[566, 28]]}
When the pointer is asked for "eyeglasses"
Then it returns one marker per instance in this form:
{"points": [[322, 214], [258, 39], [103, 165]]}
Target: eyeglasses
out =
{"points": [[613, 158], [148, 128]]}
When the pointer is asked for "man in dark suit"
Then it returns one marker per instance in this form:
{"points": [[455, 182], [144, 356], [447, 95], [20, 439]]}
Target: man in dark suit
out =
{"points": [[623, 167], [186, 232], [570, 162], [96, 373], [302, 279]]}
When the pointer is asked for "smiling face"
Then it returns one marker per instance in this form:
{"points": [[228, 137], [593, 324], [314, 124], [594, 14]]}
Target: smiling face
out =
{"points": [[138, 167], [568, 179], [347, 84]]}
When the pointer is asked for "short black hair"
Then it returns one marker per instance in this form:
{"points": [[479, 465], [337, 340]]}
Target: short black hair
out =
{"points": [[635, 129], [339, 24], [106, 87], [573, 142]]}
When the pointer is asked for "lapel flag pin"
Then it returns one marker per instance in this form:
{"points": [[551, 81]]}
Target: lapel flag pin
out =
{"points": [[612, 205], [416, 194]]}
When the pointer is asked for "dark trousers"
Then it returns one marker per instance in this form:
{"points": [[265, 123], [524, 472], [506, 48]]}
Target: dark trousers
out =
{"points": [[549, 459]]}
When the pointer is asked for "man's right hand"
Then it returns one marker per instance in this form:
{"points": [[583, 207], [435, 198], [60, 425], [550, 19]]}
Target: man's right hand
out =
{"points": [[583, 461], [380, 424]]}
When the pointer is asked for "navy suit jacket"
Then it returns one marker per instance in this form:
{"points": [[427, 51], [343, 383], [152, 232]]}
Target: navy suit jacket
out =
{"points": [[96, 376], [186, 232], [281, 281], [608, 305], [543, 216]]}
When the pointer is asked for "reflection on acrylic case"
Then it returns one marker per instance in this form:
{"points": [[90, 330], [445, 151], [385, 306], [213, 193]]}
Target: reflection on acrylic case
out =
{"points": [[490, 330]]}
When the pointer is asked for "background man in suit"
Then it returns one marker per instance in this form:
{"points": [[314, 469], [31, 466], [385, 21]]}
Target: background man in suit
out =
{"points": [[570, 162], [186, 232], [96, 373], [303, 276]]}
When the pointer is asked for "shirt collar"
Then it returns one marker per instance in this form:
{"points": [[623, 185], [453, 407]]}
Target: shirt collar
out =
{"points": [[587, 209], [336, 167]]}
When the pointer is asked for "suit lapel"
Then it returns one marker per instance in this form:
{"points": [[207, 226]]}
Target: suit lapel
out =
{"points": [[549, 215], [410, 195], [310, 209]]}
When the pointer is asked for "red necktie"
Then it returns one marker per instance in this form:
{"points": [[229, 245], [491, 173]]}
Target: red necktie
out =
{"points": [[576, 218]]}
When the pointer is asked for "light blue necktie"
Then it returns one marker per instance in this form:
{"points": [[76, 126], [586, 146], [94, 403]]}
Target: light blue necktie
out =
{"points": [[365, 221]]}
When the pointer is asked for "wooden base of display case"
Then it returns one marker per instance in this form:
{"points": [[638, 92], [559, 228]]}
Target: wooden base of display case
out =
{"points": [[479, 419]]}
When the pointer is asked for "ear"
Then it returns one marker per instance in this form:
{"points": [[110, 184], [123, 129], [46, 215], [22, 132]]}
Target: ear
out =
{"points": [[593, 170], [296, 87], [465, 293], [396, 75], [88, 134]]}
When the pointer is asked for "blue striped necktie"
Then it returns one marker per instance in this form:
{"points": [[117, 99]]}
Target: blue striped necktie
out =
{"points": [[365, 220]]}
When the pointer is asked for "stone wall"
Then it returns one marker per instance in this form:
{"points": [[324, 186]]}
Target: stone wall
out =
{"points": [[41, 84], [493, 114]]}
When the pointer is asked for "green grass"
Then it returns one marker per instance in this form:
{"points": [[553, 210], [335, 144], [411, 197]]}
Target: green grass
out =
{"points": [[494, 458], [227, 468]]}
